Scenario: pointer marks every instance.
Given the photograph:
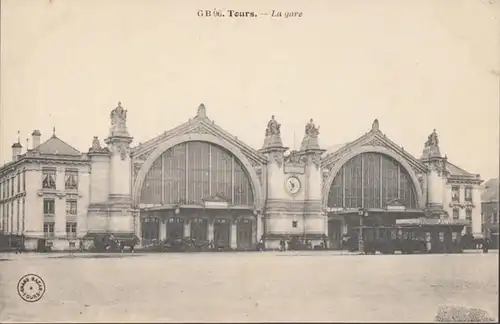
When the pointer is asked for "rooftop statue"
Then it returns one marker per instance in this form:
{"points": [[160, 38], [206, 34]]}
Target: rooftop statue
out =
{"points": [[432, 140], [311, 129], [273, 128], [118, 116], [96, 146]]}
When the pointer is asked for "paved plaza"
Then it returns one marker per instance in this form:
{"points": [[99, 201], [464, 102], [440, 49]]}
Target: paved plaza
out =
{"points": [[252, 286]]}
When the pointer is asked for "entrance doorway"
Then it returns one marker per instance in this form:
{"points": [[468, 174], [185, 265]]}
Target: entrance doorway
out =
{"points": [[150, 229], [222, 230], [244, 229], [175, 228], [199, 229], [335, 234]]}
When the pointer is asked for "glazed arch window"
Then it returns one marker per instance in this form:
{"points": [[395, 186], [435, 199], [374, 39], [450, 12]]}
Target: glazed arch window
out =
{"points": [[455, 213]]}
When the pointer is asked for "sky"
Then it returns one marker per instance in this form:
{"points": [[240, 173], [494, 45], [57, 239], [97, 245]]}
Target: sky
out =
{"points": [[416, 65]]}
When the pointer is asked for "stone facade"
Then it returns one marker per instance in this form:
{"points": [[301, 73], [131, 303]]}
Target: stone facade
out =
{"points": [[290, 188]]}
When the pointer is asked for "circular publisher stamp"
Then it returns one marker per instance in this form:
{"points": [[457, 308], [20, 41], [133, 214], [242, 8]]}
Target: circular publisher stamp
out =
{"points": [[31, 288]]}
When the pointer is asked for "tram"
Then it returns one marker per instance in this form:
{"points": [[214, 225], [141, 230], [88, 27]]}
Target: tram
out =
{"points": [[410, 236]]}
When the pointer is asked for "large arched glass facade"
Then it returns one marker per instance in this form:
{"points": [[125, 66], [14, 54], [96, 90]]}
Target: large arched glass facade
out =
{"points": [[371, 180], [190, 172]]}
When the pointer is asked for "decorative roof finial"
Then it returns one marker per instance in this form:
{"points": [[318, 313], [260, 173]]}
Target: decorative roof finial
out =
{"points": [[119, 104], [18, 136], [54, 131], [375, 125], [202, 112]]}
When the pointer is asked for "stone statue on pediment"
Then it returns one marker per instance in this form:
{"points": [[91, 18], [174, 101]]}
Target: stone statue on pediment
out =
{"points": [[273, 127], [311, 129]]}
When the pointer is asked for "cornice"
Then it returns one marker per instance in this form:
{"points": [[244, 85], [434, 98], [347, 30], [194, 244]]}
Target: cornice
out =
{"points": [[453, 179]]}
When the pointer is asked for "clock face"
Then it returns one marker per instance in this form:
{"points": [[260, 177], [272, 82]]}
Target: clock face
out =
{"points": [[293, 185]]}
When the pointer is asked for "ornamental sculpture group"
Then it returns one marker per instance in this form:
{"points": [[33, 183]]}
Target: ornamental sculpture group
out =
{"points": [[432, 140], [273, 128]]}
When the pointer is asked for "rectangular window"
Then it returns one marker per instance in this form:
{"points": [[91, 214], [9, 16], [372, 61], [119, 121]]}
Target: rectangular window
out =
{"points": [[24, 181], [49, 206], [49, 179], [48, 228], [71, 207], [468, 214], [468, 194], [70, 228], [18, 177], [71, 179], [455, 194], [455, 213], [11, 187]]}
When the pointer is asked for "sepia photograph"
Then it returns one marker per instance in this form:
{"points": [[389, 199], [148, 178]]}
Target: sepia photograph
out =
{"points": [[249, 161]]}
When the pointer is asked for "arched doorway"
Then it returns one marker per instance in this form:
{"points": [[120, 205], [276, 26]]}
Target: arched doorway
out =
{"points": [[370, 184], [199, 190]]}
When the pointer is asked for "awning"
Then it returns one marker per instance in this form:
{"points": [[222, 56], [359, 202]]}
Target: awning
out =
{"points": [[433, 221]]}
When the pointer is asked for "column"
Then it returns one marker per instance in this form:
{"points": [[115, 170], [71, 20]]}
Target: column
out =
{"points": [[260, 227], [163, 230], [210, 229], [234, 235], [461, 195], [60, 206], [187, 228]]}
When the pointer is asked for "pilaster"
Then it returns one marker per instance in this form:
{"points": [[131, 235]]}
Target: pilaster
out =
{"points": [[234, 235], [187, 228]]}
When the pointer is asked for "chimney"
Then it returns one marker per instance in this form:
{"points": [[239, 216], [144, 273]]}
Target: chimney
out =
{"points": [[16, 150], [36, 138]]}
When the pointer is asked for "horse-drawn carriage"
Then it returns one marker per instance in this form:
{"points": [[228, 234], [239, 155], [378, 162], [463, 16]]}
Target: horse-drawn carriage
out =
{"points": [[109, 242]]}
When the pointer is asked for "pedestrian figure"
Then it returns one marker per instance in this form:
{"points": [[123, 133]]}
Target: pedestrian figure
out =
{"points": [[282, 245], [485, 246]]}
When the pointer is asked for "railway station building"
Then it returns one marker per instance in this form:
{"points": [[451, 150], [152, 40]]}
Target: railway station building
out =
{"points": [[197, 180]]}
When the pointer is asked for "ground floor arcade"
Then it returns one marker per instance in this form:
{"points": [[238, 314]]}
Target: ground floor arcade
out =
{"points": [[224, 228]]}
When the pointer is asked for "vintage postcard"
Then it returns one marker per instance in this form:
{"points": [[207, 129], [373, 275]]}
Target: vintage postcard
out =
{"points": [[249, 161]]}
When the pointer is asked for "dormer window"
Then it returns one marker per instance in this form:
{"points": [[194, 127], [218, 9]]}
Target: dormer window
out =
{"points": [[455, 194]]}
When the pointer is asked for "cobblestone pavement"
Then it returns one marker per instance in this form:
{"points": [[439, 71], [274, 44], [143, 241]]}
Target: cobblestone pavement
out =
{"points": [[252, 286]]}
